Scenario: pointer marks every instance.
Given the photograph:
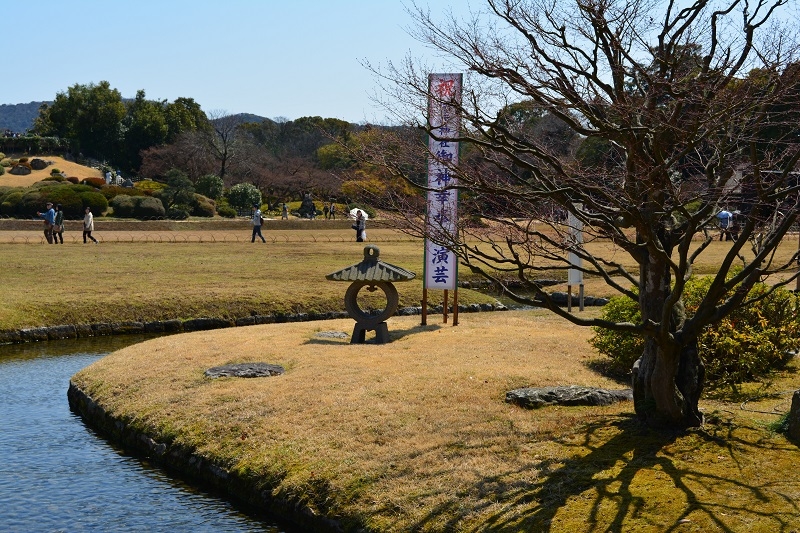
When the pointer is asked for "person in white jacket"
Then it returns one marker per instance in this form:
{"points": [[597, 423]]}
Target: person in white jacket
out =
{"points": [[257, 224], [88, 225]]}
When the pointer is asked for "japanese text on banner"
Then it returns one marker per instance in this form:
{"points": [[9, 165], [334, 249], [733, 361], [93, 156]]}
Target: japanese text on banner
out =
{"points": [[440, 263]]}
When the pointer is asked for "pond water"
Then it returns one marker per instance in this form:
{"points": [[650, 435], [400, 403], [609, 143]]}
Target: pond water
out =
{"points": [[57, 475]]}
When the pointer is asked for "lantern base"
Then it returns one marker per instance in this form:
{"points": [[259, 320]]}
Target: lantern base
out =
{"points": [[360, 333]]}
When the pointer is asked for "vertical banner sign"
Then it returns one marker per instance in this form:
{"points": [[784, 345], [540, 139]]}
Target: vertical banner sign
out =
{"points": [[575, 276], [441, 267]]}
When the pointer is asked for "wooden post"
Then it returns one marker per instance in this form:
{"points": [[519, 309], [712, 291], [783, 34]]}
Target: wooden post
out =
{"points": [[569, 298], [424, 306], [455, 306], [444, 307], [580, 297]]}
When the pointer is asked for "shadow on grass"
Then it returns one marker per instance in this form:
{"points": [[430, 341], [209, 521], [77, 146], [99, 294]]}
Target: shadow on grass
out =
{"points": [[343, 338], [600, 486]]}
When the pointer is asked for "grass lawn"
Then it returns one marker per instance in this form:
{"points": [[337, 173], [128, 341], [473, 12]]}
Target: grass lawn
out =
{"points": [[409, 436], [415, 435], [177, 276], [173, 271]]}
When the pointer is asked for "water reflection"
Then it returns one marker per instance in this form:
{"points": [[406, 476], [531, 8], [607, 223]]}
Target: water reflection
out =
{"points": [[57, 475]]}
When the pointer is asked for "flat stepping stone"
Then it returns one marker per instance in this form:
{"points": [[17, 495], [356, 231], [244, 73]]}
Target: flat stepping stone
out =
{"points": [[245, 370], [332, 335], [535, 397]]}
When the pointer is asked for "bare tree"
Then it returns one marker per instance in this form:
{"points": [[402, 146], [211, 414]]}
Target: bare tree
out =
{"points": [[687, 101], [223, 140], [188, 153]]}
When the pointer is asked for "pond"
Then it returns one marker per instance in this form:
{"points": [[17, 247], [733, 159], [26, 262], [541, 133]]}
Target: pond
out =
{"points": [[57, 475]]}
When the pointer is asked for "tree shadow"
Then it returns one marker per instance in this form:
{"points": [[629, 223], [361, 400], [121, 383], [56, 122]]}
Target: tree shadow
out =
{"points": [[394, 334], [607, 474]]}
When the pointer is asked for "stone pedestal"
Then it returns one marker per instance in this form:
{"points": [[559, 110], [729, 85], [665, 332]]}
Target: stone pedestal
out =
{"points": [[360, 333]]}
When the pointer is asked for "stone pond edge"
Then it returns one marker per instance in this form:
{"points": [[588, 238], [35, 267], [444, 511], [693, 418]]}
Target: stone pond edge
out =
{"points": [[76, 331], [70, 331], [194, 468]]}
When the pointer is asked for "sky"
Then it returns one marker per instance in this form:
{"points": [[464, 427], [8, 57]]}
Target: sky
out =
{"points": [[272, 58]]}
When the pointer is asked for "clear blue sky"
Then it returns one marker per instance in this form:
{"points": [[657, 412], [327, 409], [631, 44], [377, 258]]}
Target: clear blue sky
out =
{"points": [[289, 58]]}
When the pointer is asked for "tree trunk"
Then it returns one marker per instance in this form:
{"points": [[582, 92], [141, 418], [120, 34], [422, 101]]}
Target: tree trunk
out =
{"points": [[668, 378], [667, 385]]}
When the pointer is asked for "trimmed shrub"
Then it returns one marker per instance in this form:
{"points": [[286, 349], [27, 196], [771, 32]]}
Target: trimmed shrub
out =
{"points": [[31, 202], [244, 195], [202, 207], [110, 191], [95, 200], [744, 346], [73, 180], [226, 211], [141, 207], [148, 207], [149, 185], [210, 185], [122, 206], [94, 182], [178, 212], [12, 203], [2, 170], [55, 171], [69, 199]]}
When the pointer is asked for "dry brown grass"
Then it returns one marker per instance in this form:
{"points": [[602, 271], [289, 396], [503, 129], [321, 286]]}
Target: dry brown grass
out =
{"points": [[415, 435], [142, 281], [67, 167], [185, 272]]}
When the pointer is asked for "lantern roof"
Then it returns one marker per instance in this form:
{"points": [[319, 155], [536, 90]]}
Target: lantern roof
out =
{"points": [[372, 269]]}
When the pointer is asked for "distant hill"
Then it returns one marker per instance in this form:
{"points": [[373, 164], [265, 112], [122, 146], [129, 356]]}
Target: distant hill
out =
{"points": [[19, 117], [246, 118]]}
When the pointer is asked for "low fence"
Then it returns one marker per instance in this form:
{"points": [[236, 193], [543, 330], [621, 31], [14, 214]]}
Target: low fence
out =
{"points": [[178, 237]]}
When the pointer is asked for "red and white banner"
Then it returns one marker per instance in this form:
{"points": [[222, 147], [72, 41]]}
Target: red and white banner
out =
{"points": [[441, 266]]}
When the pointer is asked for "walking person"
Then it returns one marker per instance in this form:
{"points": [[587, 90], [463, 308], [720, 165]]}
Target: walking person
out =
{"points": [[360, 226], [257, 222], [88, 226], [49, 217], [58, 226], [285, 212], [725, 218], [332, 211]]}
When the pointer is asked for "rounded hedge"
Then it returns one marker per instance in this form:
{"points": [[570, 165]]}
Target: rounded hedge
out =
{"points": [[226, 211], [141, 207], [746, 345], [96, 201], [202, 207]]}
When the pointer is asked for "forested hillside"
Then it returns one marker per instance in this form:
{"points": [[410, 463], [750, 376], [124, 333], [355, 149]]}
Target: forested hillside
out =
{"points": [[18, 117]]}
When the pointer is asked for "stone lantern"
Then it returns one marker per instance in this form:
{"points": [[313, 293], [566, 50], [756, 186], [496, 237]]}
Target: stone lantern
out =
{"points": [[372, 274]]}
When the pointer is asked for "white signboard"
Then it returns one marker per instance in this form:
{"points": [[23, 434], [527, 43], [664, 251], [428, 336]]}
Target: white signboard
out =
{"points": [[575, 276], [441, 266]]}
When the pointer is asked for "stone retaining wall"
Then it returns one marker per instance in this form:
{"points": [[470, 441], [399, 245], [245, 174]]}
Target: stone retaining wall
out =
{"points": [[16, 336], [196, 469]]}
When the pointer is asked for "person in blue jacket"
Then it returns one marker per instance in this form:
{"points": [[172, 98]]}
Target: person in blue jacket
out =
{"points": [[49, 217]]}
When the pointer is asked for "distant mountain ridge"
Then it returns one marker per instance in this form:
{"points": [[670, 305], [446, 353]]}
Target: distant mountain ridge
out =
{"points": [[19, 118]]}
